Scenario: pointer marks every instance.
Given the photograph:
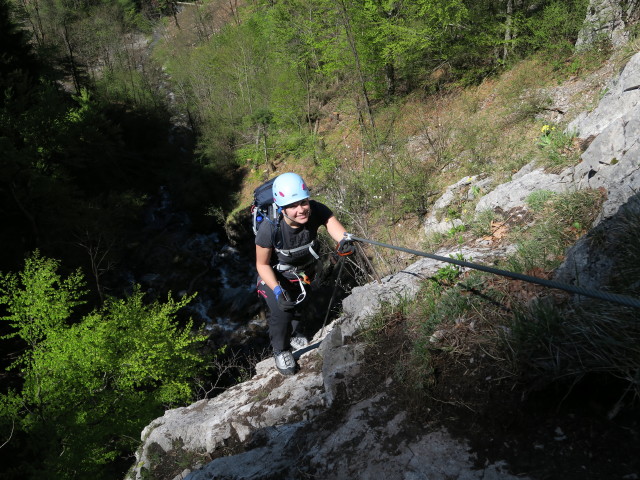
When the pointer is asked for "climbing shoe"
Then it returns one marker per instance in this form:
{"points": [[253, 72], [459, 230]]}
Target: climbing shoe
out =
{"points": [[285, 363], [297, 342]]}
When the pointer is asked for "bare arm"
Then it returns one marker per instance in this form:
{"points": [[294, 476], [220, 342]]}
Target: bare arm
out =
{"points": [[335, 228], [263, 256]]}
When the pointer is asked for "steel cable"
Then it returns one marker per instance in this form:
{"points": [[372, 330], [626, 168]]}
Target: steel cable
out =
{"points": [[611, 297]]}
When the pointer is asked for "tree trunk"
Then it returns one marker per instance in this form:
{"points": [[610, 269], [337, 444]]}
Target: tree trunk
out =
{"points": [[233, 6], [390, 77], [507, 30], [74, 68], [270, 166], [356, 57], [174, 12], [36, 23]]}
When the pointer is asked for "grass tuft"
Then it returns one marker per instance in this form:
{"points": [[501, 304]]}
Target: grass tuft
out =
{"points": [[560, 219]]}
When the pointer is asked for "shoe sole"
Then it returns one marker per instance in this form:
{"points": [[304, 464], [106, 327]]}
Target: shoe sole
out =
{"points": [[295, 348]]}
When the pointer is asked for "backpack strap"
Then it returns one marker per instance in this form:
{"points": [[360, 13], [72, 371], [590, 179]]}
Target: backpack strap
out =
{"points": [[308, 246], [262, 213], [277, 241]]}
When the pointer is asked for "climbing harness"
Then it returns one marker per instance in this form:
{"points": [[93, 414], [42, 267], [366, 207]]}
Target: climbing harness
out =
{"points": [[284, 267], [296, 271], [301, 280]]}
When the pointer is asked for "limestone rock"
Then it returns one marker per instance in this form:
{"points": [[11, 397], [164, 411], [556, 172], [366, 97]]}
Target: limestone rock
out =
{"points": [[207, 426], [620, 101], [612, 160], [595, 260], [526, 181], [466, 188], [607, 19], [355, 447]]}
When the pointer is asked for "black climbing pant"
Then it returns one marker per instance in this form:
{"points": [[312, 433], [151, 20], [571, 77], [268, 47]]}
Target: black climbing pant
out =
{"points": [[282, 325]]}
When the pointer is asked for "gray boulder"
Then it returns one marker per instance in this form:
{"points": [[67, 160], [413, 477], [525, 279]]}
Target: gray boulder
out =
{"points": [[607, 19], [528, 180], [611, 163]]}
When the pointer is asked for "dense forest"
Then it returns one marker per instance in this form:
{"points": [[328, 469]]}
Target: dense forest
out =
{"points": [[104, 103]]}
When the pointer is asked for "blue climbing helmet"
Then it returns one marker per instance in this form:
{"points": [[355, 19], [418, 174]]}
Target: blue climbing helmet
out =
{"points": [[289, 188]]}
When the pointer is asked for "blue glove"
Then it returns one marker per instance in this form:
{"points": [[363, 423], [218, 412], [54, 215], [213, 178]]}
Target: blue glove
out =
{"points": [[284, 304]]}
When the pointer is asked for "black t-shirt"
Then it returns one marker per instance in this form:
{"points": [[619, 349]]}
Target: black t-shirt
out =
{"points": [[294, 237]]}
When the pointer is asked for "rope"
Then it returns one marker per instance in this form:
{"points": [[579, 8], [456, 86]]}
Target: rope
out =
{"points": [[333, 295], [611, 297]]}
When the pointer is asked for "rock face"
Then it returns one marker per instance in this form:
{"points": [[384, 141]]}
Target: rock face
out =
{"points": [[608, 19], [613, 157], [300, 427], [611, 163], [588, 264], [211, 426], [356, 448]]}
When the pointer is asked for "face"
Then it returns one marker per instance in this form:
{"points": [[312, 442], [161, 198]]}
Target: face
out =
{"points": [[298, 212]]}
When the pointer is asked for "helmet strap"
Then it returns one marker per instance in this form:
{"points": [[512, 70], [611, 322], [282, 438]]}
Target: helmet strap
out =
{"points": [[293, 222]]}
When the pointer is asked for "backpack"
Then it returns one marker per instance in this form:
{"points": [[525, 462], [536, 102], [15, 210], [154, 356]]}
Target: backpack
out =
{"points": [[263, 206]]}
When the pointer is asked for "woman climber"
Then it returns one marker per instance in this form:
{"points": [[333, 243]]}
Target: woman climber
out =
{"points": [[286, 260]]}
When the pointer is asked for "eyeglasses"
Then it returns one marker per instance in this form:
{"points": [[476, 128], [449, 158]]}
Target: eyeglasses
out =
{"points": [[303, 203]]}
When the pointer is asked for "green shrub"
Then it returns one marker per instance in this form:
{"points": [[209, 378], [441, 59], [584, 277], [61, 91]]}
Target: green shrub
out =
{"points": [[481, 224], [554, 28], [89, 384], [557, 147]]}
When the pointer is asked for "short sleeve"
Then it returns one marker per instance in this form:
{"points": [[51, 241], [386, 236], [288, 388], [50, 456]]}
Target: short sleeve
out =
{"points": [[321, 212], [264, 237]]}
